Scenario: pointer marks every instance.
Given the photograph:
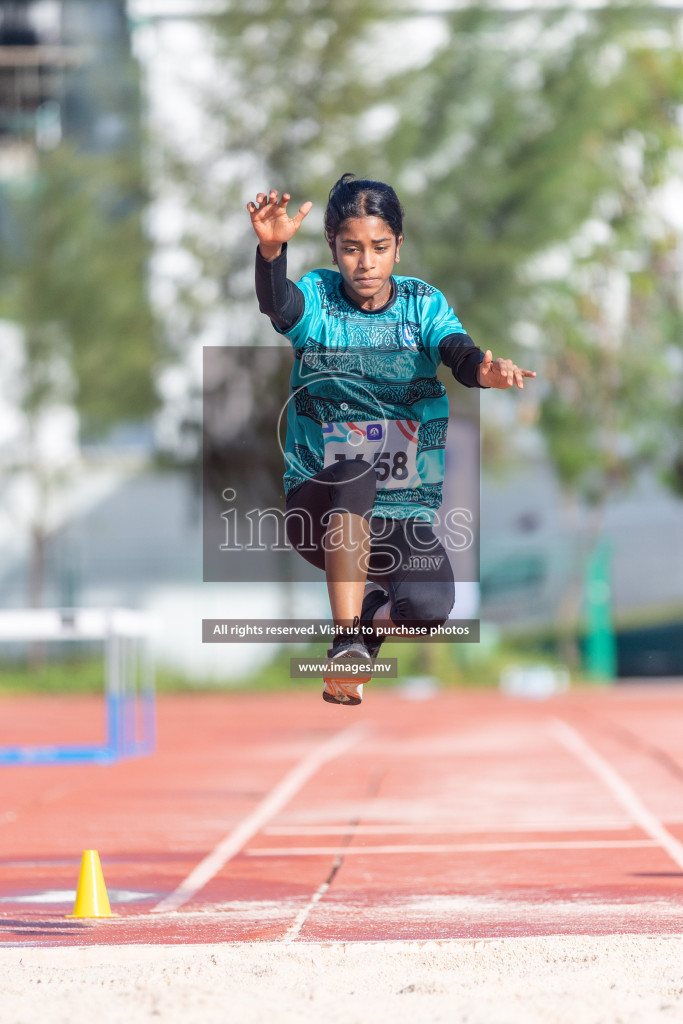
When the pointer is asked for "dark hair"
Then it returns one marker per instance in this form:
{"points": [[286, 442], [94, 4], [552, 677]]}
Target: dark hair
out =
{"points": [[358, 197]]}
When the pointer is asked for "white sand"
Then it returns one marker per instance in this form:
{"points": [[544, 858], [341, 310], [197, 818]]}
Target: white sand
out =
{"points": [[619, 979]]}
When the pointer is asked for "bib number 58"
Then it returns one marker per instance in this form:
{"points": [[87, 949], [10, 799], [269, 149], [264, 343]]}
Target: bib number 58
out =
{"points": [[386, 465]]}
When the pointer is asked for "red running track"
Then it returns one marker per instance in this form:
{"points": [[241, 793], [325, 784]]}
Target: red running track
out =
{"points": [[284, 818]]}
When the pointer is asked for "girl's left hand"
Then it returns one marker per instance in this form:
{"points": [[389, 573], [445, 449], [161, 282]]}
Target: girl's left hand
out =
{"points": [[501, 373]]}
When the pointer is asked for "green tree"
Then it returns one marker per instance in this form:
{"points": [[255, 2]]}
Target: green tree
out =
{"points": [[73, 279], [528, 140], [539, 140], [282, 111]]}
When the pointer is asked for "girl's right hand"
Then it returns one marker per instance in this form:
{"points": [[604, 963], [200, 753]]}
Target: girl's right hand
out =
{"points": [[271, 222]]}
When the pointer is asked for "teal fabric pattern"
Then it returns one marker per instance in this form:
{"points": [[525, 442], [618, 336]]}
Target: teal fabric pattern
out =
{"points": [[356, 366]]}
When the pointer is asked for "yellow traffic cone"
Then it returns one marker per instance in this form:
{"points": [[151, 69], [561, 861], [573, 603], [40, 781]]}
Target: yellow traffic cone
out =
{"points": [[91, 895]]}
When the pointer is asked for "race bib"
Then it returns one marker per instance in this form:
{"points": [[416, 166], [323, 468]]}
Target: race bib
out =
{"points": [[388, 445]]}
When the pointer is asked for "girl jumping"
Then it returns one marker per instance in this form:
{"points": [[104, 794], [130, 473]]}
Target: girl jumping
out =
{"points": [[367, 415]]}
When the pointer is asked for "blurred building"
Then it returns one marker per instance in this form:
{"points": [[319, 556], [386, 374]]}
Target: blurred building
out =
{"points": [[63, 72], [32, 66]]}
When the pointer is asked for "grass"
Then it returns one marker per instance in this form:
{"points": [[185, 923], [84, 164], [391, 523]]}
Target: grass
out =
{"points": [[76, 675], [456, 665]]}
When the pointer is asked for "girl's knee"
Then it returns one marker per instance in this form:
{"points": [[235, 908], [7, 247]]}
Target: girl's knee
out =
{"points": [[425, 603]]}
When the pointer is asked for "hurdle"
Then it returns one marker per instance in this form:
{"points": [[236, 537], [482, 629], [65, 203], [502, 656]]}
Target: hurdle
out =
{"points": [[129, 691]]}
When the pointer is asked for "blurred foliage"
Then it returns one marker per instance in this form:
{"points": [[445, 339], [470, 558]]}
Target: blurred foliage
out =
{"points": [[510, 139], [529, 140], [75, 674], [73, 278], [450, 664], [528, 150], [282, 114], [544, 138]]}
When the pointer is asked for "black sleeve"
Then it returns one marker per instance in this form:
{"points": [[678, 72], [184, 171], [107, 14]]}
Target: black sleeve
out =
{"points": [[278, 297], [462, 357]]}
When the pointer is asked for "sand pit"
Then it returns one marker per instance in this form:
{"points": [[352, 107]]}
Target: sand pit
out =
{"points": [[622, 979]]}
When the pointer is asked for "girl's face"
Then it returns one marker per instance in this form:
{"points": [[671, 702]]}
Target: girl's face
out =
{"points": [[365, 249]]}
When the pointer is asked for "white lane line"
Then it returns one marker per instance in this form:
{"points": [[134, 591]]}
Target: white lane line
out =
{"points": [[287, 788], [300, 920], [326, 851], [619, 788], [421, 829]]}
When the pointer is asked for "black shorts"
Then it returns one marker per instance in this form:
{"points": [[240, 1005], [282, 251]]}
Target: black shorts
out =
{"points": [[406, 557]]}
